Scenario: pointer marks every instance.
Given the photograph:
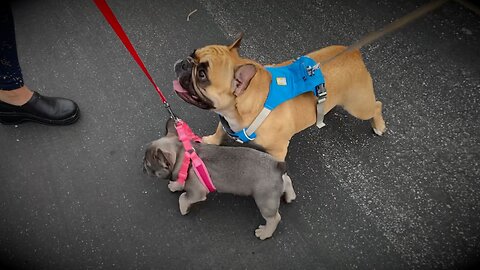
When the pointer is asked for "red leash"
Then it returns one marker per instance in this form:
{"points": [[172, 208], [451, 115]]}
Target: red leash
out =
{"points": [[185, 134], [112, 20]]}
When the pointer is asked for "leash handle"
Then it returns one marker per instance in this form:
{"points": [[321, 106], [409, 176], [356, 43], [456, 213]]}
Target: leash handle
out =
{"points": [[112, 20]]}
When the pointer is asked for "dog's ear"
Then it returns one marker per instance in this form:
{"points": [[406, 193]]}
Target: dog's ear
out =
{"points": [[236, 43], [170, 128], [243, 76]]}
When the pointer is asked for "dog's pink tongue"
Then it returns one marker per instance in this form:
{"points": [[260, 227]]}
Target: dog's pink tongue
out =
{"points": [[177, 87]]}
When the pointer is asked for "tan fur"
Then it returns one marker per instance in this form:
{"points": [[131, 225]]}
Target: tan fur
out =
{"points": [[348, 84]]}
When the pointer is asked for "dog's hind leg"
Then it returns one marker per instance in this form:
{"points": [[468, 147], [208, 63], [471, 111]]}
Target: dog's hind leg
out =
{"points": [[377, 122], [288, 189], [268, 205], [360, 102], [266, 231]]}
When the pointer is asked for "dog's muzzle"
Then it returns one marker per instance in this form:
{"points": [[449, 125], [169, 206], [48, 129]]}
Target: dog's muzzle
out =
{"points": [[184, 85], [184, 67]]}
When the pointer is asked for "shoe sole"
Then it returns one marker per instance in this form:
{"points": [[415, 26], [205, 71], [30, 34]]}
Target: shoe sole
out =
{"points": [[18, 118]]}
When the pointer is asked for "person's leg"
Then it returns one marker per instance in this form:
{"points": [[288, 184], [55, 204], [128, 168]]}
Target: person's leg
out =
{"points": [[12, 89], [17, 102], [16, 97]]}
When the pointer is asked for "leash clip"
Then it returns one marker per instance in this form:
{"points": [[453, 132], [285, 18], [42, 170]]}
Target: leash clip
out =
{"points": [[170, 111]]}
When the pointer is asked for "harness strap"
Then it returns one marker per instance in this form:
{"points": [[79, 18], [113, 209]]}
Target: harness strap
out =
{"points": [[321, 97], [258, 121], [201, 171], [185, 135], [246, 134], [199, 168], [183, 172]]}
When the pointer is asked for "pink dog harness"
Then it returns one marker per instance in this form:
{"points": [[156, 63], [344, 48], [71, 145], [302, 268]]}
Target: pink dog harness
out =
{"points": [[185, 135]]}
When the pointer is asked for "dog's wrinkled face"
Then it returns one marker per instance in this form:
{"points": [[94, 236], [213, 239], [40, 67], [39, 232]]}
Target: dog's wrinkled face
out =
{"points": [[213, 76], [160, 156], [155, 163]]}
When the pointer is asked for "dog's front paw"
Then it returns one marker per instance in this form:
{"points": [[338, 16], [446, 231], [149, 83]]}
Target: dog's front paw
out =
{"points": [[175, 186], [210, 140], [184, 204], [263, 233], [290, 196]]}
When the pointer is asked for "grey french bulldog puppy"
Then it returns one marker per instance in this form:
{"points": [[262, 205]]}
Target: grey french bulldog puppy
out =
{"points": [[236, 170]]}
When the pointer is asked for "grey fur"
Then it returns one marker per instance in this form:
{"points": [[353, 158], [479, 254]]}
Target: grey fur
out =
{"points": [[236, 170]]}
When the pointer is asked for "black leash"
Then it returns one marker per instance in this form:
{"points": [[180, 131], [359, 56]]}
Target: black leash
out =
{"points": [[399, 23]]}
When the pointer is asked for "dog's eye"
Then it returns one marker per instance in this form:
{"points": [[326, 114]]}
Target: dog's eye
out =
{"points": [[202, 75]]}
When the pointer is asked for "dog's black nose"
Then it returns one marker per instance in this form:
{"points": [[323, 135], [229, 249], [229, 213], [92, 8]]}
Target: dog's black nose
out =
{"points": [[178, 65], [183, 66]]}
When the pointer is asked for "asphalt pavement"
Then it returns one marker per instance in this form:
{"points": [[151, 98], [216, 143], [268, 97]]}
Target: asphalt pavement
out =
{"points": [[75, 197]]}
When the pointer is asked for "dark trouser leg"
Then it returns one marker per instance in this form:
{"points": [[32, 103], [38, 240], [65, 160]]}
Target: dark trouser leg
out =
{"points": [[10, 73]]}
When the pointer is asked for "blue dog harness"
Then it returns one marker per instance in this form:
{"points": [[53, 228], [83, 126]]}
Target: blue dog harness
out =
{"points": [[301, 76]]}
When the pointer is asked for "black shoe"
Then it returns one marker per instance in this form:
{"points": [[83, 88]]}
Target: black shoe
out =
{"points": [[41, 109]]}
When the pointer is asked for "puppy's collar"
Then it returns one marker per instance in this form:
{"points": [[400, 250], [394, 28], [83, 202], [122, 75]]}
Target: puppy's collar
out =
{"points": [[301, 76]]}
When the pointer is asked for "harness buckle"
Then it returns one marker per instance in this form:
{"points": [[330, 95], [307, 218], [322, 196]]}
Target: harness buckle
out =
{"points": [[321, 92], [311, 69], [237, 139]]}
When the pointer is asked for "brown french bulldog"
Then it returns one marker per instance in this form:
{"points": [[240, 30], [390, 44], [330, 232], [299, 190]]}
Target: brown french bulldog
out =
{"points": [[236, 170], [217, 78]]}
